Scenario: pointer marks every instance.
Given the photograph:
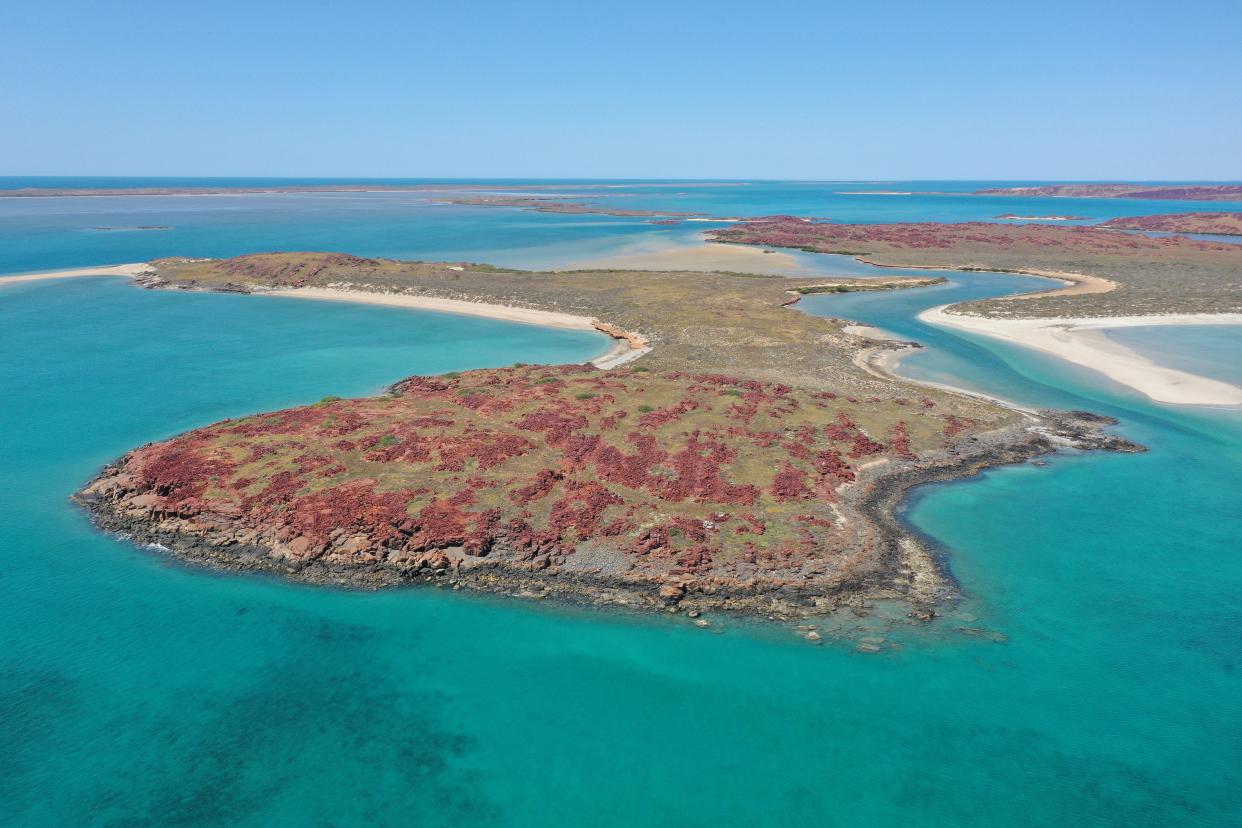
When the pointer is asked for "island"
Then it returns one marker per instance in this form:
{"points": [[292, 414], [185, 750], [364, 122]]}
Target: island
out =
{"points": [[137, 227], [326, 187], [1112, 279], [1172, 192], [1012, 217], [1115, 274], [571, 205], [1212, 224], [753, 459]]}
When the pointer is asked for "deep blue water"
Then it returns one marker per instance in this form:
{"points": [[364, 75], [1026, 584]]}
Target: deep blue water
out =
{"points": [[1105, 688]]}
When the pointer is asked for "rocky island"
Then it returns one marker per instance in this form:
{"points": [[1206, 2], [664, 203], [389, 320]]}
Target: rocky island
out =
{"points": [[754, 460]]}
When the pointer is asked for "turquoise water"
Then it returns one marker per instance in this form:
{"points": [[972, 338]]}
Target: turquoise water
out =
{"points": [[1106, 688], [40, 234], [1192, 348]]}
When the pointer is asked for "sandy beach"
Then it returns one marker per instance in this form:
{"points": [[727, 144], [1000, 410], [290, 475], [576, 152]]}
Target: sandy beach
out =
{"points": [[626, 346], [624, 349], [549, 319], [1075, 284], [706, 257], [868, 332], [128, 270], [1082, 342]]}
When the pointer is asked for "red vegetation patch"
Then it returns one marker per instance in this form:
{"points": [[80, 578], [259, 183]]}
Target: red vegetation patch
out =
{"points": [[533, 461], [1210, 223], [785, 231], [864, 445], [181, 469], [790, 484], [899, 441], [538, 488], [350, 506], [580, 510]]}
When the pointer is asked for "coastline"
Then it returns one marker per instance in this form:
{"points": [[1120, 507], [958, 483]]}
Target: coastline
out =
{"points": [[507, 313], [1080, 341], [882, 358], [1072, 283], [1076, 284], [626, 347], [901, 563]]}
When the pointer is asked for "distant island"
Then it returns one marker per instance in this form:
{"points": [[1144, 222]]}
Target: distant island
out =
{"points": [[1012, 217], [136, 227], [442, 187], [1213, 224], [561, 204], [1174, 192], [752, 460], [1118, 274]]}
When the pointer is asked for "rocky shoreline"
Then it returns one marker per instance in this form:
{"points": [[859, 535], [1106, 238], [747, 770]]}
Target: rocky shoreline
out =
{"points": [[667, 487], [904, 565]]}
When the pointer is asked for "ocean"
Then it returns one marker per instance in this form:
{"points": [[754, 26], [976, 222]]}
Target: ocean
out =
{"points": [[1092, 675]]}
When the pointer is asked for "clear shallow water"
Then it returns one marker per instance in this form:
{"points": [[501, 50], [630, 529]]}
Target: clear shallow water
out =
{"points": [[133, 691], [1194, 348]]}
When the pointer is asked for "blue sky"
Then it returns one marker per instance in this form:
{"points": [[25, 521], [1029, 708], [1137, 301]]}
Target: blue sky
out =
{"points": [[774, 89]]}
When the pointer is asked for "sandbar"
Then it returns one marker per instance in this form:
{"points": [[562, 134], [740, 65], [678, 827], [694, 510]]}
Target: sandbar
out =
{"points": [[705, 257], [1081, 342], [128, 270]]}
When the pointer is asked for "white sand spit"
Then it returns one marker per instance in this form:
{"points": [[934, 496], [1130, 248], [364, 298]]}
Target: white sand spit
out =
{"points": [[1082, 342]]}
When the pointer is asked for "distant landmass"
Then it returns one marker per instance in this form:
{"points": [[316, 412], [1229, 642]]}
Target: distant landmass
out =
{"points": [[444, 187], [1172, 192], [1215, 224], [1164, 275]]}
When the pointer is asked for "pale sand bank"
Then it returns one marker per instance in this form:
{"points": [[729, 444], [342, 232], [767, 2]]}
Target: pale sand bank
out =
{"points": [[129, 270], [868, 331], [1075, 284], [1081, 342], [705, 257], [622, 351], [549, 319]]}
